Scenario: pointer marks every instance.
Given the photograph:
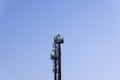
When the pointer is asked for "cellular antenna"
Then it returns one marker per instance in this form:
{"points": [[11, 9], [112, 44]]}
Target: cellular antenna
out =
{"points": [[56, 57]]}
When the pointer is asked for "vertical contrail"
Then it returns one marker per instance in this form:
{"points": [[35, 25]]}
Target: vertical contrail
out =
{"points": [[53, 4]]}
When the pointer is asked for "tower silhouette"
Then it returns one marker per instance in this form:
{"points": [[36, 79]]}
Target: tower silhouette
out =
{"points": [[56, 57]]}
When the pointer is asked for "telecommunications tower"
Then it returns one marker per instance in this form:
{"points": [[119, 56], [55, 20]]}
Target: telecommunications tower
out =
{"points": [[56, 57]]}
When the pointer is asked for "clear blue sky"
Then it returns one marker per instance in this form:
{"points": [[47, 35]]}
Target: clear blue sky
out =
{"points": [[91, 29]]}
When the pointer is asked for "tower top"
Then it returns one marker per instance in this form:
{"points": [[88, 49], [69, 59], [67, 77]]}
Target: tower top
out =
{"points": [[58, 39]]}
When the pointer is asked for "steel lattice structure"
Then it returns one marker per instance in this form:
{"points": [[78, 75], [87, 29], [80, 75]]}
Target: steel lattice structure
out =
{"points": [[56, 57]]}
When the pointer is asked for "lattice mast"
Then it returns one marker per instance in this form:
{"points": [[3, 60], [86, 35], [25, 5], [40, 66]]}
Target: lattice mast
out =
{"points": [[56, 57]]}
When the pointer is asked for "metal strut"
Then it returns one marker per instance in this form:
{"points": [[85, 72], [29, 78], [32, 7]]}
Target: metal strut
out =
{"points": [[56, 57]]}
